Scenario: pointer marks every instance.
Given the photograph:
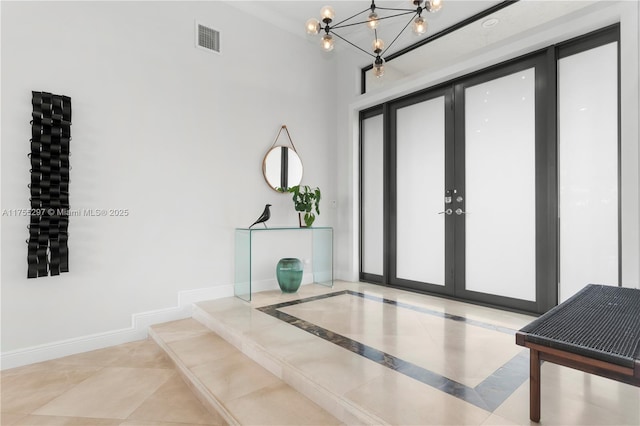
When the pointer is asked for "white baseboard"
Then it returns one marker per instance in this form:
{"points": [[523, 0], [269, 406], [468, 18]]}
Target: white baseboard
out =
{"points": [[140, 323]]}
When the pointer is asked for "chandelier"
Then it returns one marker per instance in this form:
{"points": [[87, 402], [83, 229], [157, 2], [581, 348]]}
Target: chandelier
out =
{"points": [[372, 21]]}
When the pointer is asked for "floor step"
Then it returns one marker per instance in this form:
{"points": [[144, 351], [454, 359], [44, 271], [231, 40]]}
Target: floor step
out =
{"points": [[232, 384], [318, 369]]}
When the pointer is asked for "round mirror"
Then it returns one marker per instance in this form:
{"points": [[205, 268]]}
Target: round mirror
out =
{"points": [[282, 168]]}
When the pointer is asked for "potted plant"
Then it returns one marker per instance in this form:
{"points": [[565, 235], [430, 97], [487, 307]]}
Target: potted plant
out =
{"points": [[305, 201]]}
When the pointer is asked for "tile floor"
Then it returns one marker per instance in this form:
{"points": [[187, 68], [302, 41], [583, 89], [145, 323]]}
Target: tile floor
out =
{"points": [[136, 384], [244, 392], [414, 359], [132, 384]]}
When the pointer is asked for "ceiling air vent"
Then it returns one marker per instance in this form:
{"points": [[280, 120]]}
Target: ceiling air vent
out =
{"points": [[207, 38]]}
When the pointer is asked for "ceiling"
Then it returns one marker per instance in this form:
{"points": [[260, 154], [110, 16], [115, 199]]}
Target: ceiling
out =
{"points": [[521, 19], [292, 15]]}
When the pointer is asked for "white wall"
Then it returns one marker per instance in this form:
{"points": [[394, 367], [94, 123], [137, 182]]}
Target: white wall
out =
{"points": [[625, 12], [172, 133]]}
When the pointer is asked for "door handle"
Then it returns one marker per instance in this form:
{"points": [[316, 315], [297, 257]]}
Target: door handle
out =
{"points": [[460, 212], [448, 212]]}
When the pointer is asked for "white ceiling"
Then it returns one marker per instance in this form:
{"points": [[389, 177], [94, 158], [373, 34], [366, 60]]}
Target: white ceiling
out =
{"points": [[518, 20], [292, 15]]}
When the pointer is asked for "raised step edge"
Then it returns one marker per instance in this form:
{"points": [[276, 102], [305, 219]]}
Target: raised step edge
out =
{"points": [[201, 392], [337, 405]]}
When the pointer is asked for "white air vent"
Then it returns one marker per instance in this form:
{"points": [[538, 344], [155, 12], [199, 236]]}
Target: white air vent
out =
{"points": [[207, 38]]}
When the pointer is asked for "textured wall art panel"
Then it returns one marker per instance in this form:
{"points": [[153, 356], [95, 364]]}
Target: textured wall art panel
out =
{"points": [[48, 252]]}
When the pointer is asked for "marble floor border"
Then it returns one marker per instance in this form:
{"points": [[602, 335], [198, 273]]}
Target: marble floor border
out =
{"points": [[488, 395]]}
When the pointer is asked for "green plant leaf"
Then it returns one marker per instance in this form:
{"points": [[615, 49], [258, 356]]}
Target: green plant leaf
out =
{"points": [[305, 199]]}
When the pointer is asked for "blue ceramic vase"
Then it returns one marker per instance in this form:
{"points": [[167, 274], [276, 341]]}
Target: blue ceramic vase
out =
{"points": [[289, 274]]}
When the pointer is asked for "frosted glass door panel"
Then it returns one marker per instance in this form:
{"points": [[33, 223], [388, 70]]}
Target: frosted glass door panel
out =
{"points": [[372, 195], [588, 172], [420, 192], [500, 243]]}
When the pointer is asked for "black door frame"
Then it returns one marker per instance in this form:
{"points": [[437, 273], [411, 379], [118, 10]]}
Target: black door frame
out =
{"points": [[445, 91], [365, 114], [547, 273], [546, 218]]}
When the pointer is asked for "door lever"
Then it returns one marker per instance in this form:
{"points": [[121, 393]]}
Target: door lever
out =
{"points": [[448, 212], [460, 212]]}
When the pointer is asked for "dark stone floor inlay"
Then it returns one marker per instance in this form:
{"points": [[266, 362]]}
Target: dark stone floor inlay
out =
{"points": [[488, 395]]}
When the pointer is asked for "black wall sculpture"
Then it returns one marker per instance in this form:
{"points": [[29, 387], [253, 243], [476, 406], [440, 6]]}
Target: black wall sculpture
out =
{"points": [[48, 252]]}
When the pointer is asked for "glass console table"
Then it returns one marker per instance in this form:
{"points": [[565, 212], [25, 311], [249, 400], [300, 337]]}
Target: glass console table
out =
{"points": [[321, 256]]}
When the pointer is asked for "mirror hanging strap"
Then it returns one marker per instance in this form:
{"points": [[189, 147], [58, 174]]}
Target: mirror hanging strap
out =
{"points": [[288, 135]]}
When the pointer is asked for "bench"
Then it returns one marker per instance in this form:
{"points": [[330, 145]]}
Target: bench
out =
{"points": [[597, 331]]}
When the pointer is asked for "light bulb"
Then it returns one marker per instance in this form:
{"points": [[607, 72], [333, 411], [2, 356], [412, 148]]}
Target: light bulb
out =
{"points": [[377, 45], [373, 21], [434, 5], [416, 2], [378, 67], [327, 42], [327, 13], [419, 25], [313, 26]]}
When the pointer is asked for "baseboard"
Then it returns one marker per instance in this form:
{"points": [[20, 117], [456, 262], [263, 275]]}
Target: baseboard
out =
{"points": [[140, 323]]}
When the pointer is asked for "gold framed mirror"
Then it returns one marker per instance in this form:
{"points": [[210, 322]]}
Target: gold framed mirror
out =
{"points": [[282, 166]]}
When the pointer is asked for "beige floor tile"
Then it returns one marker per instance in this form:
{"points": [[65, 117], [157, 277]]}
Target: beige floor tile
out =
{"points": [[10, 419], [334, 367], [432, 342], [246, 319], [233, 376], [27, 388], [138, 354], [202, 349], [289, 408], [135, 384], [152, 423], [238, 316], [33, 420], [113, 392], [281, 337], [180, 330], [174, 402], [272, 297], [400, 400], [470, 311], [571, 397], [495, 420]]}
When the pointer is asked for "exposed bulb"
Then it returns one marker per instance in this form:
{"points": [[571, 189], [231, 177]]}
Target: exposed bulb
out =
{"points": [[419, 25], [327, 42], [433, 5], [378, 67], [372, 23], [327, 14], [313, 26], [377, 45], [416, 3]]}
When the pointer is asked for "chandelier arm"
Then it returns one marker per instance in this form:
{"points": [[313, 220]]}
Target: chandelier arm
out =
{"points": [[401, 31], [338, 26], [357, 47], [351, 17], [395, 9]]}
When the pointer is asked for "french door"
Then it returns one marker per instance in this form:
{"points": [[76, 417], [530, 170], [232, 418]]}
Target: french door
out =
{"points": [[466, 218], [460, 188]]}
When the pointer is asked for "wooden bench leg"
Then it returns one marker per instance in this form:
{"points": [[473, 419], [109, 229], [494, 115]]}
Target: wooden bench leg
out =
{"points": [[534, 385]]}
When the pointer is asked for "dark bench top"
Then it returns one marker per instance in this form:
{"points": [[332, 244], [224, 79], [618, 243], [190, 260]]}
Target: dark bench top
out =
{"points": [[600, 322]]}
